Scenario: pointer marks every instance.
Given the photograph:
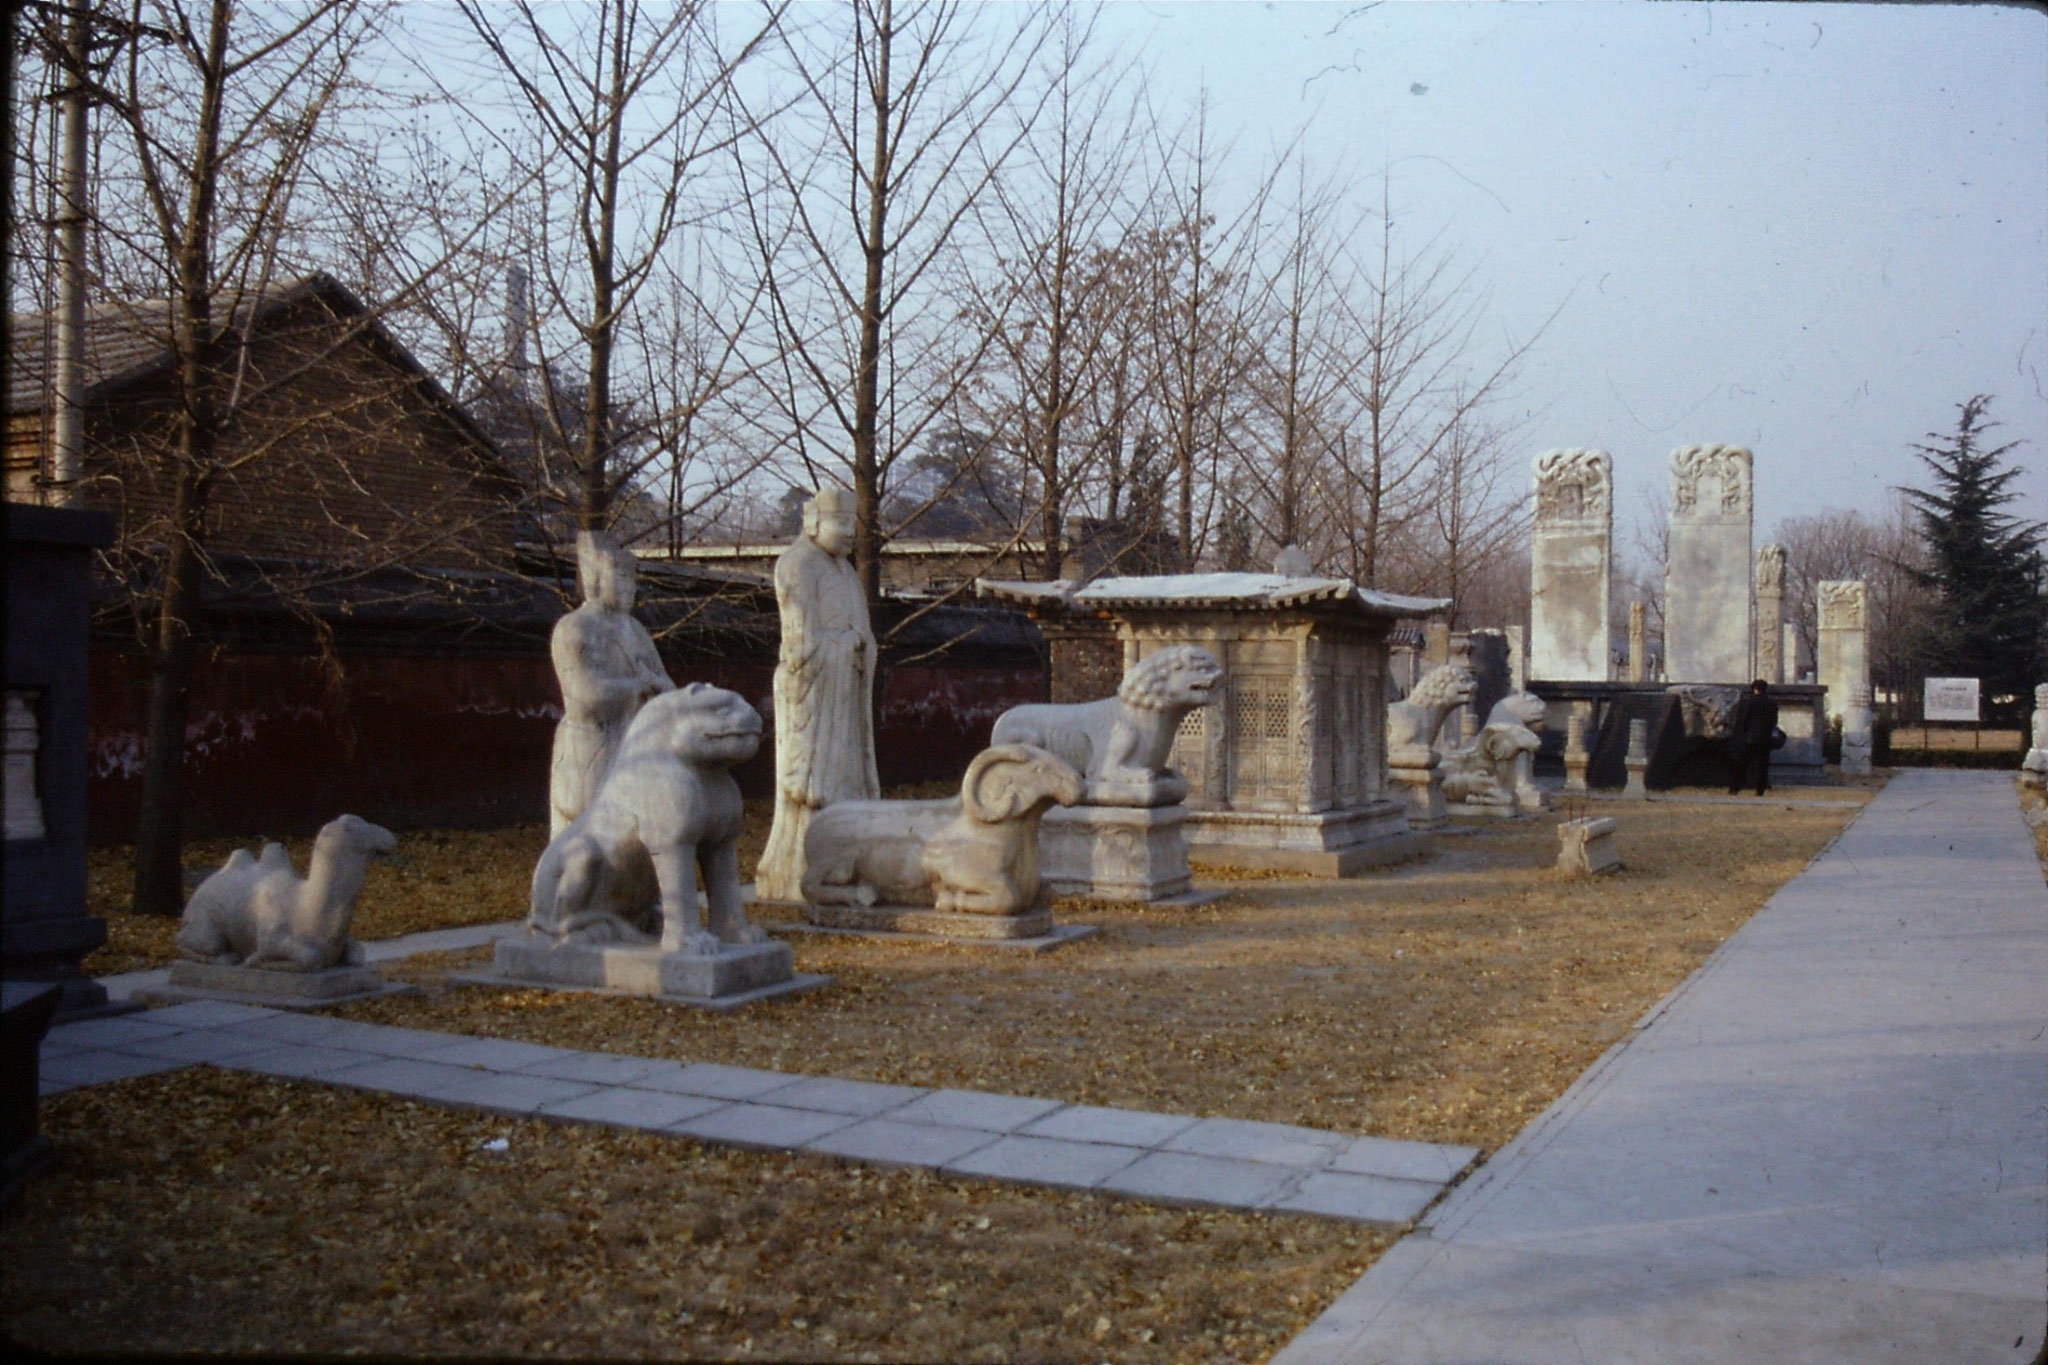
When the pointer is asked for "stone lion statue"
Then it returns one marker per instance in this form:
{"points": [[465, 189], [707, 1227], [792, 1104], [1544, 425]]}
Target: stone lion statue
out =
{"points": [[976, 853], [1413, 722], [1498, 768], [667, 811], [1120, 744], [258, 912]]}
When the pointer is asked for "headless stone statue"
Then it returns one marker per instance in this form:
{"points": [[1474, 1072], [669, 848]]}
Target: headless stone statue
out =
{"points": [[824, 690], [607, 666]]}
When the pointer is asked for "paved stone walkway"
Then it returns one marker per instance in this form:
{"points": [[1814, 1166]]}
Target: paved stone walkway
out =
{"points": [[1171, 1158], [1829, 1145]]}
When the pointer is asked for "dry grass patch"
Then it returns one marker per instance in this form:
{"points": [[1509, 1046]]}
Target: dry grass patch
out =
{"points": [[1448, 1001], [277, 1217]]}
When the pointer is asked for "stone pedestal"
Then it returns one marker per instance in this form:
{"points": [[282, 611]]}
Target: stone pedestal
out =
{"points": [[26, 1009], [1708, 635], [1843, 664], [1586, 847], [1575, 755], [1333, 843], [1115, 853], [44, 930], [1421, 791], [1638, 761], [1569, 566], [733, 976], [274, 989]]}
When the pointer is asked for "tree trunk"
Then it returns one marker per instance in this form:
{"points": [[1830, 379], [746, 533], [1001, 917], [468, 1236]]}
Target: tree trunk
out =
{"points": [[159, 887], [867, 492]]}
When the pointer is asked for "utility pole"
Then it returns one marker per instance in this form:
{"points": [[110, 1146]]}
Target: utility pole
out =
{"points": [[67, 399]]}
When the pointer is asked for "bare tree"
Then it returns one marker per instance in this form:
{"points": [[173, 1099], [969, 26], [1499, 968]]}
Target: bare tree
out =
{"points": [[626, 136], [1886, 553], [910, 111], [1478, 516]]}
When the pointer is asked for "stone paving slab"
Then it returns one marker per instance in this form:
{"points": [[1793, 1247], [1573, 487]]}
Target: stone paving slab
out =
{"points": [[1366, 1198], [69, 1071], [718, 1081], [624, 1108], [1279, 1144], [976, 1109], [861, 1098], [1179, 1178], [1123, 1127], [1829, 1144], [1046, 1161], [765, 1126], [493, 1054], [301, 1061], [889, 1143], [596, 1068]]}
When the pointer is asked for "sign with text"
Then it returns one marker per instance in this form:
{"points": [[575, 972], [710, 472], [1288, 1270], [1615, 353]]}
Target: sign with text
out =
{"points": [[1951, 699]]}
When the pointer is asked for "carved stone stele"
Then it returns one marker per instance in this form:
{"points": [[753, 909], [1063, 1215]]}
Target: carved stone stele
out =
{"points": [[258, 912], [607, 666], [625, 871], [1570, 566], [1708, 610], [973, 858], [1842, 654], [824, 689], [1770, 569], [1770, 611], [1710, 481], [1857, 736], [1842, 604], [1121, 745]]}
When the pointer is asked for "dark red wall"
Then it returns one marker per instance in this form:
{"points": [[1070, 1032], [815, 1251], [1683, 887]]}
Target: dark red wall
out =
{"points": [[277, 744]]}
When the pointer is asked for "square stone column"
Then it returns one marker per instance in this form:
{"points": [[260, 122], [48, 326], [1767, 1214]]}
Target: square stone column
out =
{"points": [[1638, 643], [1843, 665], [1569, 565], [1770, 612], [1788, 657], [1708, 636]]}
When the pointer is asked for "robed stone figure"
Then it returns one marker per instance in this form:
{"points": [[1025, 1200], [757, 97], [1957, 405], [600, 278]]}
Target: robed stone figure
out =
{"points": [[824, 689], [607, 665]]}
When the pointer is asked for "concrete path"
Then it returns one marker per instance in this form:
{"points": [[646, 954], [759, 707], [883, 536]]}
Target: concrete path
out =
{"points": [[1168, 1158], [1829, 1145]]}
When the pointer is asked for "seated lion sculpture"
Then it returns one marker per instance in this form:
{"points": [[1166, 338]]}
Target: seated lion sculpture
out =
{"points": [[976, 853], [1498, 768], [1413, 722], [258, 912], [667, 809], [1120, 744]]}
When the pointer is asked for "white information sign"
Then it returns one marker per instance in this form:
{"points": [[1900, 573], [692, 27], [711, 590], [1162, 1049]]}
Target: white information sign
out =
{"points": [[1951, 699]]}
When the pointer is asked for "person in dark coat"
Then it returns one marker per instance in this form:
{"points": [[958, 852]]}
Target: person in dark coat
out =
{"points": [[1756, 720]]}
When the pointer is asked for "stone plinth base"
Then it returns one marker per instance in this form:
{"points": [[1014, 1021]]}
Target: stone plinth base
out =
{"points": [[1479, 815], [1586, 847], [1333, 843], [735, 975], [282, 990], [1115, 853], [1056, 936], [1421, 791], [925, 921], [26, 1009]]}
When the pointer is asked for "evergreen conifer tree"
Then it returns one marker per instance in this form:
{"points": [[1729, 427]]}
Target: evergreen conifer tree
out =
{"points": [[1985, 564]]}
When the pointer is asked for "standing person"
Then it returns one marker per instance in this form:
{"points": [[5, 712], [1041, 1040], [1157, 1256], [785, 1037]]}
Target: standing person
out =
{"points": [[1756, 721], [824, 689], [607, 666]]}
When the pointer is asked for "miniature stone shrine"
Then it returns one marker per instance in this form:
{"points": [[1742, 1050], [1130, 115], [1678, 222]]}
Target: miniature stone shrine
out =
{"points": [[1289, 769], [256, 930], [963, 867], [824, 689], [2034, 767], [1586, 847], [1842, 662], [1575, 755], [1494, 776], [1770, 612], [1708, 634], [607, 666], [1127, 840], [615, 894], [1414, 767], [1570, 568], [1638, 761]]}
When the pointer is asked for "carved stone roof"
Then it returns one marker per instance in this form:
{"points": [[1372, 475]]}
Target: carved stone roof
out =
{"points": [[1196, 591]]}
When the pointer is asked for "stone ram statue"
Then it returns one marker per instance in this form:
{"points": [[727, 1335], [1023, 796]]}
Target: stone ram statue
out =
{"points": [[1120, 744], [625, 870], [1413, 722], [1498, 768], [258, 912], [976, 853]]}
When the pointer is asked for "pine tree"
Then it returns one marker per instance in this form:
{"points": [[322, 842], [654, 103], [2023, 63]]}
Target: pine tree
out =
{"points": [[1985, 564]]}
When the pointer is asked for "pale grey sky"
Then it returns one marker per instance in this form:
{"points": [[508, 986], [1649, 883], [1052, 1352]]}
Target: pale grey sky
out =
{"points": [[1806, 228]]}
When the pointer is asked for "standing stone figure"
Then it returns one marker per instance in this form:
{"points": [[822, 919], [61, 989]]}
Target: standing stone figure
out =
{"points": [[2034, 767], [607, 665], [824, 690]]}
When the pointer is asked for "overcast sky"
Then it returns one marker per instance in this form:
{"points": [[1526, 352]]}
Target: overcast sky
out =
{"points": [[1811, 229]]}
